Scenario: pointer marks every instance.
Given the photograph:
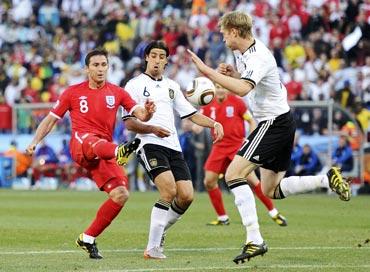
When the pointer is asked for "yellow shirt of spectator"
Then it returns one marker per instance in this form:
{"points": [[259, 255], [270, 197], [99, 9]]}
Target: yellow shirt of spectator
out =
{"points": [[334, 64], [124, 32], [363, 117], [112, 46], [36, 84], [295, 54]]}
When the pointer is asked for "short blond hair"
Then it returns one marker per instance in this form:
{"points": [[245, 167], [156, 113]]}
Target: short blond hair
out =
{"points": [[241, 21]]}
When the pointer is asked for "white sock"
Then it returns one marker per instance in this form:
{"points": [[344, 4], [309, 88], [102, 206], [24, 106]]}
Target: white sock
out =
{"points": [[302, 184], [88, 239], [223, 217], [245, 202], [273, 212], [172, 218], [157, 224], [116, 151]]}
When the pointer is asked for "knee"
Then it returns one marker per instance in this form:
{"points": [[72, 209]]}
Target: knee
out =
{"points": [[210, 184], [231, 175], [119, 195], [169, 194], [185, 199]]}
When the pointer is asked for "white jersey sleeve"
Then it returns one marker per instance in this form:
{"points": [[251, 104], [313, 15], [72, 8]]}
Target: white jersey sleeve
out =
{"points": [[181, 105], [256, 70], [130, 88]]}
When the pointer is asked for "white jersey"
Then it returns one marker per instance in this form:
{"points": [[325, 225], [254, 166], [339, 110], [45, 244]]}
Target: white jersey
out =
{"points": [[167, 97], [257, 65]]}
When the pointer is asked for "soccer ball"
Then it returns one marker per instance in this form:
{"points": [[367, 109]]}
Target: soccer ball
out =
{"points": [[200, 91]]}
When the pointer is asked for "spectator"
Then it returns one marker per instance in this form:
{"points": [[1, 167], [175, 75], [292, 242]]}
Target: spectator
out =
{"points": [[187, 146], [296, 154], [345, 97], [5, 116], [342, 155], [308, 163], [22, 161], [294, 53], [45, 163], [354, 135]]}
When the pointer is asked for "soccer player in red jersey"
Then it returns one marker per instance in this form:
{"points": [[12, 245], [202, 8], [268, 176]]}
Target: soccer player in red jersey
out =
{"points": [[230, 111], [93, 106]]}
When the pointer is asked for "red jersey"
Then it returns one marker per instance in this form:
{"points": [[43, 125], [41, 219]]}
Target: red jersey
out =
{"points": [[230, 114], [93, 110]]}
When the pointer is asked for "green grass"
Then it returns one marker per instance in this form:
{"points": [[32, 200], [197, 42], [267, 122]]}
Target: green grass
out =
{"points": [[38, 229]]}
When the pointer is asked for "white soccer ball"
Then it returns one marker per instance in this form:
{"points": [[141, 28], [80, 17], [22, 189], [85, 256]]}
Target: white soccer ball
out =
{"points": [[200, 91]]}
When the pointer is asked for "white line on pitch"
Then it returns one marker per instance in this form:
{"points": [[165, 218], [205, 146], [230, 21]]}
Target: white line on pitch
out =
{"points": [[241, 267], [174, 249]]}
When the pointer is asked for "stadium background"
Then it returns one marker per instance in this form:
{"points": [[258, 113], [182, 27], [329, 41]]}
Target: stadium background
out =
{"points": [[321, 48]]}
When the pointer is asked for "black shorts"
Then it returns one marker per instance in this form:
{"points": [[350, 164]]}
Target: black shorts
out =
{"points": [[157, 159], [270, 144]]}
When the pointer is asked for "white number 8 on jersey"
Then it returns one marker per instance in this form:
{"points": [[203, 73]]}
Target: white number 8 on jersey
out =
{"points": [[83, 106]]}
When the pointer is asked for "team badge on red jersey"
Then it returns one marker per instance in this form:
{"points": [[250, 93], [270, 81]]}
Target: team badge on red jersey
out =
{"points": [[110, 101], [229, 111]]}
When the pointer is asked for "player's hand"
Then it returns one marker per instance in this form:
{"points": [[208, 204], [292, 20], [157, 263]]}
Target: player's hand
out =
{"points": [[201, 66], [226, 69], [160, 132], [218, 132], [149, 106], [30, 149]]}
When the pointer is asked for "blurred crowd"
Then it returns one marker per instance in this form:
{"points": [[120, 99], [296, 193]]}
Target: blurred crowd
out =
{"points": [[322, 48]]}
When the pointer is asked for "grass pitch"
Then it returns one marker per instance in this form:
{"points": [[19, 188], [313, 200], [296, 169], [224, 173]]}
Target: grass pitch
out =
{"points": [[38, 230]]}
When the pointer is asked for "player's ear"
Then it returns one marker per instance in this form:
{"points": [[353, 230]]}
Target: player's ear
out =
{"points": [[234, 32]]}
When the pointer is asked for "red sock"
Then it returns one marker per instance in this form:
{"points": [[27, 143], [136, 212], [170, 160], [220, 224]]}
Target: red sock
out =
{"points": [[216, 198], [105, 150], [105, 215], [264, 199]]}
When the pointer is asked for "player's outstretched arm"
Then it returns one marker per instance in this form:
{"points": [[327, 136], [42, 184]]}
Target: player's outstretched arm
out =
{"points": [[237, 86], [227, 70], [136, 126], [204, 121], [42, 130]]}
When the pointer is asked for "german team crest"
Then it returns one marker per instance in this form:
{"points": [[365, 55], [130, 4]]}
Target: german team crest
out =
{"points": [[110, 99], [153, 162], [171, 93]]}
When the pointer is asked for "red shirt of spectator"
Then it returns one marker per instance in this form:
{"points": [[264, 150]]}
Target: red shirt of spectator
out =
{"points": [[294, 89], [5, 116], [279, 30], [170, 37]]}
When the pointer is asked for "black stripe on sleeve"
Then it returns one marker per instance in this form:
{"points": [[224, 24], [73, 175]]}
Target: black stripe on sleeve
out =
{"points": [[251, 81], [126, 117], [188, 115]]}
